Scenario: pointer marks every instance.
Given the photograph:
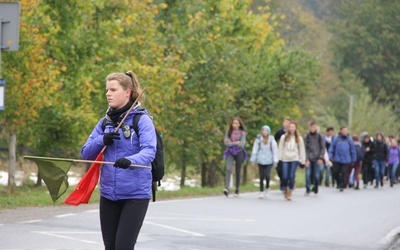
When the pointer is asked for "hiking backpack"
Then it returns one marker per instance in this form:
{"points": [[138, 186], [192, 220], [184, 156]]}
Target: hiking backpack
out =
{"points": [[157, 165]]}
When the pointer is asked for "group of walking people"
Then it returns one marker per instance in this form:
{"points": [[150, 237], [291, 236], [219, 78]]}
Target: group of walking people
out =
{"points": [[337, 158]]}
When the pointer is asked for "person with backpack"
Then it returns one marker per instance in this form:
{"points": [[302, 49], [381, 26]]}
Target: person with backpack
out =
{"points": [[265, 153], [356, 166], [125, 190], [380, 158], [315, 151], [235, 140], [292, 153], [342, 152], [393, 162]]}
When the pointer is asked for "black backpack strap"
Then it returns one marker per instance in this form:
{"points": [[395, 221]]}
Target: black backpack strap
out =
{"points": [[135, 123]]}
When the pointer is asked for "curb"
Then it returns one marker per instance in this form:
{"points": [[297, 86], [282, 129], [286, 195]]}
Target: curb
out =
{"points": [[392, 240]]}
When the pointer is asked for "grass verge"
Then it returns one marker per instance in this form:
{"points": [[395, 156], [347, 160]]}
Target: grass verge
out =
{"points": [[29, 195]]}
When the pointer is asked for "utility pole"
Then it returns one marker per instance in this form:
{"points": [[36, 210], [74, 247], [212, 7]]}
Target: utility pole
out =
{"points": [[350, 112], [9, 41]]}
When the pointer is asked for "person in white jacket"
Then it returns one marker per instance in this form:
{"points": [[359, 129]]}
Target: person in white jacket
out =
{"points": [[265, 154], [291, 153]]}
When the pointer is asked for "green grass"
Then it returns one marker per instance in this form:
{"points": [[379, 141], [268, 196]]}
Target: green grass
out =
{"points": [[28, 195]]}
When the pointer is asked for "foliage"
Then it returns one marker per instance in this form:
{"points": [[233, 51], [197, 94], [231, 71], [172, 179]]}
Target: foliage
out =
{"points": [[366, 41]]}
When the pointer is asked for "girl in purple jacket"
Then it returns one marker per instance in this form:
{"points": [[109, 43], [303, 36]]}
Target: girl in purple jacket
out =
{"points": [[394, 159], [125, 191]]}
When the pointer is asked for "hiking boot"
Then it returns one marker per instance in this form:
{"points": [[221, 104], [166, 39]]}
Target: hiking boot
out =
{"points": [[286, 193], [289, 195], [226, 192]]}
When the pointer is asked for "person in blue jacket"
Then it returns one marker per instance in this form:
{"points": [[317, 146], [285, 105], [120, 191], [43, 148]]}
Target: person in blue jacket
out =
{"points": [[342, 152], [125, 190]]}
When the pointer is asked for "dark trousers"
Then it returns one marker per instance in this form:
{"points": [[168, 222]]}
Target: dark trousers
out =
{"points": [[357, 168], [265, 174], [121, 222], [367, 172], [280, 175], [340, 170]]}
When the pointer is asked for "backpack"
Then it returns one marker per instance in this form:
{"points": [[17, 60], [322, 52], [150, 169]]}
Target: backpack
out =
{"points": [[359, 153], [157, 165]]}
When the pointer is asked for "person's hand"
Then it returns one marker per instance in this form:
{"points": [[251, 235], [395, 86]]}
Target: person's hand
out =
{"points": [[122, 163], [307, 164], [238, 142], [320, 162], [367, 149], [108, 138]]}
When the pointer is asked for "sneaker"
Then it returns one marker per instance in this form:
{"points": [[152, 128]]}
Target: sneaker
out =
{"points": [[307, 192], [226, 192], [265, 193], [236, 193], [365, 185], [341, 189], [376, 186], [261, 195]]}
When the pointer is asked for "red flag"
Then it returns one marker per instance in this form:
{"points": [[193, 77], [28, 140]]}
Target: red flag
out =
{"points": [[86, 185]]}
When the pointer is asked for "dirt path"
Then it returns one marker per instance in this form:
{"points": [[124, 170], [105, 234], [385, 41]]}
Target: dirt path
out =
{"points": [[36, 213]]}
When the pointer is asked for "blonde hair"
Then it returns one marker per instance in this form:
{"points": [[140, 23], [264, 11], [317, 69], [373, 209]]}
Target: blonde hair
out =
{"points": [[127, 80]]}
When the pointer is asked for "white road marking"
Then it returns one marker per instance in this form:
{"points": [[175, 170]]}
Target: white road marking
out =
{"points": [[61, 235], [64, 215], [198, 219], [28, 221], [175, 229], [92, 211]]}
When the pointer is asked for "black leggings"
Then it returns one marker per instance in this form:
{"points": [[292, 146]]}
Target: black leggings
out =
{"points": [[265, 173], [121, 222]]}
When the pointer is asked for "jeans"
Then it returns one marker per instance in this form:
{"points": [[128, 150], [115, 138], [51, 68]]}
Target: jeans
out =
{"points": [[392, 172], [288, 173], [312, 174], [327, 174], [265, 174], [379, 171]]}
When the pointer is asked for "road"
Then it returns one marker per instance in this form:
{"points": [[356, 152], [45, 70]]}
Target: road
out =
{"points": [[363, 219]]}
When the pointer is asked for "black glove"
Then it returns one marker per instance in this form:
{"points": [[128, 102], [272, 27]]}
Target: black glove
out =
{"points": [[108, 139], [122, 163]]}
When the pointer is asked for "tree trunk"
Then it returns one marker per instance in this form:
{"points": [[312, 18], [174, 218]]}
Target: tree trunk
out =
{"points": [[39, 180], [183, 165], [212, 177], [12, 163], [204, 174]]}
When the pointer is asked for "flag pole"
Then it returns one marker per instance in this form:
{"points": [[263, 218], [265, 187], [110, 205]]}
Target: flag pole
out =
{"points": [[75, 160]]}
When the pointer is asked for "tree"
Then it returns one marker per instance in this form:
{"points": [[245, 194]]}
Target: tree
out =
{"points": [[31, 81], [367, 41]]}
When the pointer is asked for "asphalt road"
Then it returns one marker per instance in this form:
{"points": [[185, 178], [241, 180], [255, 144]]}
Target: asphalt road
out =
{"points": [[364, 219]]}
